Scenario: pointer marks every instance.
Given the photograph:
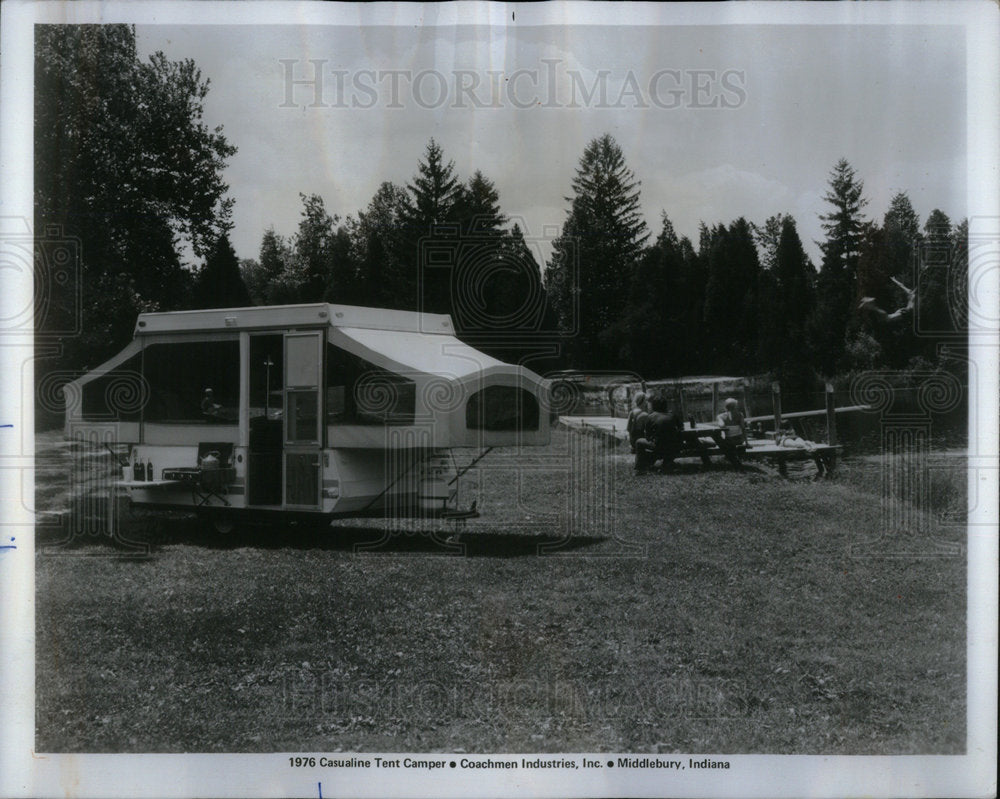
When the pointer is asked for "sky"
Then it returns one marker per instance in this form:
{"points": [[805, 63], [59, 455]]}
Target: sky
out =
{"points": [[717, 122]]}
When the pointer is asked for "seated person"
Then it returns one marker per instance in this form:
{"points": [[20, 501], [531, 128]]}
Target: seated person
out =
{"points": [[661, 439], [636, 420], [734, 429], [208, 405], [732, 416]]}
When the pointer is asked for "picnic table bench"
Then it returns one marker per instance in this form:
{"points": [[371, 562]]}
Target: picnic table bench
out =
{"points": [[702, 441], [823, 455]]}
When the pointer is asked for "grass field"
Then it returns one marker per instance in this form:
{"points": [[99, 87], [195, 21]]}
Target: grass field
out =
{"points": [[588, 610]]}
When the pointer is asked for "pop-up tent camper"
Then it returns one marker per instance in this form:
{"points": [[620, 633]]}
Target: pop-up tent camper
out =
{"points": [[313, 410]]}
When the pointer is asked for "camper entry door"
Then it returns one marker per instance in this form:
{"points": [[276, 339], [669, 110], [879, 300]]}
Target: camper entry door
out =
{"points": [[303, 414]]}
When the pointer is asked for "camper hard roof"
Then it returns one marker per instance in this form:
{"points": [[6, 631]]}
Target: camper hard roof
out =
{"points": [[293, 316]]}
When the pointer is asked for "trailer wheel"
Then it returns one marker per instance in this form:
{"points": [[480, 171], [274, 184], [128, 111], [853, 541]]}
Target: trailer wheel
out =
{"points": [[223, 525], [217, 524]]}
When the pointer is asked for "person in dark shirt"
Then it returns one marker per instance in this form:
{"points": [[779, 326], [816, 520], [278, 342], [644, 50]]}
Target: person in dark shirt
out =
{"points": [[662, 439]]}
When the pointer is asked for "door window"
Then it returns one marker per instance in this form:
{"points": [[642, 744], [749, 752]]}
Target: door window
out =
{"points": [[302, 417]]}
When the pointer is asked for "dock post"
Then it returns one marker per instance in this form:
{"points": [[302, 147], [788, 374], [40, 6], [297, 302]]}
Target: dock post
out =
{"points": [[776, 403], [831, 417]]}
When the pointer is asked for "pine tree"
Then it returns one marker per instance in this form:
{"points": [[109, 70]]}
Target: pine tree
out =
{"points": [[594, 257], [767, 237], [433, 192], [690, 299], [902, 239], [732, 298], [648, 327], [516, 299], [934, 318], [870, 340], [477, 207], [958, 289], [431, 204], [794, 299], [837, 291], [481, 271], [219, 284], [902, 226], [844, 225]]}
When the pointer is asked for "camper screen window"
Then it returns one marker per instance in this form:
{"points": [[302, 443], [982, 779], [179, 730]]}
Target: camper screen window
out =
{"points": [[119, 394], [180, 375], [359, 392], [502, 408]]}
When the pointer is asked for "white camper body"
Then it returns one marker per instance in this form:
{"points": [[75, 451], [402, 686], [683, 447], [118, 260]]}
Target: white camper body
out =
{"points": [[314, 411]]}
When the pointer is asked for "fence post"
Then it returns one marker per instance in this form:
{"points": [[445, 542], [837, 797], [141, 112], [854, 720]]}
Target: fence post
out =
{"points": [[776, 403], [715, 400], [831, 417]]}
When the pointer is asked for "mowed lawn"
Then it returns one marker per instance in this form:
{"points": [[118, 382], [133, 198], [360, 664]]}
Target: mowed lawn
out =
{"points": [[589, 609]]}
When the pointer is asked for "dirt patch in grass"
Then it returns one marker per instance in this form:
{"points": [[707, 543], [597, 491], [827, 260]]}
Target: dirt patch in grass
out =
{"points": [[589, 609]]}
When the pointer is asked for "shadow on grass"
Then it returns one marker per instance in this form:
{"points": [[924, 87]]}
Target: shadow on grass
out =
{"points": [[358, 539]]}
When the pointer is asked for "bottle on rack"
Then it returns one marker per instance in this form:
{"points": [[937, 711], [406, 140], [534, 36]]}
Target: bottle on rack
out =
{"points": [[149, 470], [138, 473]]}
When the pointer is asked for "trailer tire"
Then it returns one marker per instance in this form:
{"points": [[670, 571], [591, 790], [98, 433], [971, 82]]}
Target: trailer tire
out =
{"points": [[223, 524]]}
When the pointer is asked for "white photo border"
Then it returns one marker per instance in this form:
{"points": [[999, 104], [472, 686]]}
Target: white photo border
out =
{"points": [[24, 772]]}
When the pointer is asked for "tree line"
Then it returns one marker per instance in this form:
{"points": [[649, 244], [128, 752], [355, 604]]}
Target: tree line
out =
{"points": [[747, 299], [126, 167]]}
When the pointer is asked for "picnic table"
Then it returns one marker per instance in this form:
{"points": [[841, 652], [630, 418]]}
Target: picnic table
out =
{"points": [[703, 440], [697, 443], [706, 439]]}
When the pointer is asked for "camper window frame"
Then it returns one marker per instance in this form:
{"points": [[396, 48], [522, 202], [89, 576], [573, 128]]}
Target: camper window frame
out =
{"points": [[159, 339]]}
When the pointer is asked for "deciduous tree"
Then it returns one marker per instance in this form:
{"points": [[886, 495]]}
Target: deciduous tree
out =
{"points": [[376, 241], [126, 166]]}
